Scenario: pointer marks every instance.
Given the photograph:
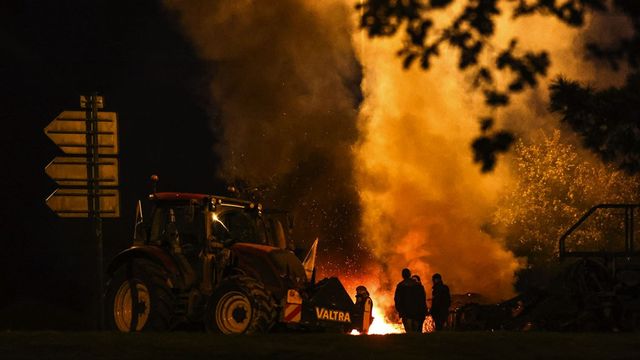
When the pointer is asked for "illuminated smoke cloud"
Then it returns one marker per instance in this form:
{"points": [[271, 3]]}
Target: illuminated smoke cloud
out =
{"points": [[425, 204], [424, 201], [285, 83]]}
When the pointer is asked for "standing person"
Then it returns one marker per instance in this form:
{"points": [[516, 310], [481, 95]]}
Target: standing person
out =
{"points": [[408, 304], [364, 304], [440, 302], [421, 302]]}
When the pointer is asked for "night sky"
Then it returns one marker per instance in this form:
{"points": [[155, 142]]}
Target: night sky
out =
{"points": [[133, 54]]}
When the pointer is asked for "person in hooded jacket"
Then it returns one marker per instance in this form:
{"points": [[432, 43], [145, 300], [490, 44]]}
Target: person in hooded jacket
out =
{"points": [[440, 301], [410, 302]]}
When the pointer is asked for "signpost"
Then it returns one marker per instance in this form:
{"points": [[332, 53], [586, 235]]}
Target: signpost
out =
{"points": [[69, 131], [72, 171], [88, 174], [74, 203]]}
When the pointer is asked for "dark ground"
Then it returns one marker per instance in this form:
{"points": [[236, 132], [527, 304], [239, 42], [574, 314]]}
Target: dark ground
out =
{"points": [[480, 345]]}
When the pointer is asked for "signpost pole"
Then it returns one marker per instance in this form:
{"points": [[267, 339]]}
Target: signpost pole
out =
{"points": [[87, 173], [93, 159]]}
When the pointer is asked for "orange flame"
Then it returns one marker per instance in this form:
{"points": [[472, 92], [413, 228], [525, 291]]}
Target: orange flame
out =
{"points": [[385, 318]]}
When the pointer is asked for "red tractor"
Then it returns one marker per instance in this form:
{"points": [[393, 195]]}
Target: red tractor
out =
{"points": [[225, 263]]}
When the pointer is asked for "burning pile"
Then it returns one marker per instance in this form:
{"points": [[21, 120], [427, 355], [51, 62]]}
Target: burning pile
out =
{"points": [[386, 320]]}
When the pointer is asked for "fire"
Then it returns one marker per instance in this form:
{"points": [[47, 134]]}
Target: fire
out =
{"points": [[385, 319], [382, 324]]}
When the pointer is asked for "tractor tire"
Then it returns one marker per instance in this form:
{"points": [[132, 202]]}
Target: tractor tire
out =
{"points": [[240, 305], [144, 283]]}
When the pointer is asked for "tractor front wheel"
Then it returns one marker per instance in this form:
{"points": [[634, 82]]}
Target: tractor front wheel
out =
{"points": [[240, 305]]}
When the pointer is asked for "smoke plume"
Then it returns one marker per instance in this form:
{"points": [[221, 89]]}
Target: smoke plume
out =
{"points": [[424, 202], [285, 83]]}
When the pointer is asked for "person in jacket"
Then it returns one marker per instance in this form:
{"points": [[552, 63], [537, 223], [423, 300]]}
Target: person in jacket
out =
{"points": [[410, 304], [440, 301], [421, 295]]}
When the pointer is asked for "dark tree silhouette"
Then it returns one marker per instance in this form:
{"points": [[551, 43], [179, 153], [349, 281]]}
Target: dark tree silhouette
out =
{"points": [[608, 121], [470, 32]]}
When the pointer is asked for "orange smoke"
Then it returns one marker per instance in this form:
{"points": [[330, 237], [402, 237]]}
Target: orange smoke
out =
{"points": [[284, 92], [424, 202]]}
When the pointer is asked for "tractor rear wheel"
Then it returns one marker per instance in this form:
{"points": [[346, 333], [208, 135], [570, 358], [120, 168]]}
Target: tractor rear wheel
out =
{"points": [[138, 298], [240, 305]]}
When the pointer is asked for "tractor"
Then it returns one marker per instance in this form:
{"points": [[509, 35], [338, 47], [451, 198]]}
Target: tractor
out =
{"points": [[225, 263], [596, 289], [602, 253]]}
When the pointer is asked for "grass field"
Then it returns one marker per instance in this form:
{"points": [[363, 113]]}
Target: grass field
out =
{"points": [[446, 345]]}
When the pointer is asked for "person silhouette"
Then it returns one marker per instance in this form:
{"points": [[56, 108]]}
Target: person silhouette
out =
{"points": [[410, 302], [440, 301]]}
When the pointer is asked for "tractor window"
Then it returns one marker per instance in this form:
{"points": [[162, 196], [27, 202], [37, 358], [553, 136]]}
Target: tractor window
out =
{"points": [[238, 226], [278, 234], [157, 225], [276, 228], [262, 234], [604, 230], [187, 223], [274, 233]]}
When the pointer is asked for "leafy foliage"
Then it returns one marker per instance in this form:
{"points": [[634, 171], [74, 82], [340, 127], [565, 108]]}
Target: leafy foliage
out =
{"points": [[626, 49], [554, 187], [608, 121], [571, 12], [470, 32], [487, 146]]}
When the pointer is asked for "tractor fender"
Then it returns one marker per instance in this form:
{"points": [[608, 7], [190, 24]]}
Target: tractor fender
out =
{"points": [[151, 253], [278, 269], [253, 260]]}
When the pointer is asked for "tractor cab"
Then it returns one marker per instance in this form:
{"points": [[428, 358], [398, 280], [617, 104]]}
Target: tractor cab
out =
{"points": [[204, 221]]}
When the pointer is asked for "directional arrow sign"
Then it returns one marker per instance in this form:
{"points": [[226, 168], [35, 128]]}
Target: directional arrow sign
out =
{"points": [[69, 131], [73, 203], [72, 171]]}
